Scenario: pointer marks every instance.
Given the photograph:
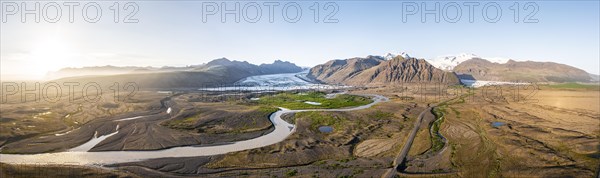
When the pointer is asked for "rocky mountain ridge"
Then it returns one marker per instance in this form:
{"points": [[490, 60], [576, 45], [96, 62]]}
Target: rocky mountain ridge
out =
{"points": [[375, 71]]}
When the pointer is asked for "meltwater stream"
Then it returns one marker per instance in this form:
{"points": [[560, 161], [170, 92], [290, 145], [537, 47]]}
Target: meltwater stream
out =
{"points": [[78, 157]]}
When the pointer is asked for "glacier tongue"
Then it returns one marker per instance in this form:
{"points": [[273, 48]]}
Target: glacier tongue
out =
{"points": [[483, 83], [275, 80]]}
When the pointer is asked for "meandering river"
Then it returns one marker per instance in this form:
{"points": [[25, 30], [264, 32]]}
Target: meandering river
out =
{"points": [[282, 130]]}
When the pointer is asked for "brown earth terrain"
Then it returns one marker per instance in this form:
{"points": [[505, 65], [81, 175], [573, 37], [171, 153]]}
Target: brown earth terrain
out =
{"points": [[534, 139], [363, 143], [524, 71], [484, 132], [194, 120]]}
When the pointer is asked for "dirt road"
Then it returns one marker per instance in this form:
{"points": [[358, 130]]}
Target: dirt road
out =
{"points": [[402, 155]]}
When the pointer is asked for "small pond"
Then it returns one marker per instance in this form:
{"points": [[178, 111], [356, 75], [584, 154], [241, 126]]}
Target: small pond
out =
{"points": [[326, 129], [312, 103], [498, 124]]}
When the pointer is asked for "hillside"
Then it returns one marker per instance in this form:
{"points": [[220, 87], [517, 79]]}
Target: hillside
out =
{"points": [[338, 71], [374, 71], [526, 71]]}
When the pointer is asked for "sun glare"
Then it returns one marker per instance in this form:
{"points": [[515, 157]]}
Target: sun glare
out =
{"points": [[49, 54]]}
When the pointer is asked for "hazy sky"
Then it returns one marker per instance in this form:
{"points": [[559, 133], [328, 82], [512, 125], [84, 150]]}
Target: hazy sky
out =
{"points": [[174, 34]]}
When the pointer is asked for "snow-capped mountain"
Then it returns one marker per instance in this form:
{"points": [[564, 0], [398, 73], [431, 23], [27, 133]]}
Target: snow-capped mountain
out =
{"points": [[449, 62], [389, 56], [498, 60]]}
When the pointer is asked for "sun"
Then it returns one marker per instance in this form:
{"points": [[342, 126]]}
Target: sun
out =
{"points": [[49, 54]]}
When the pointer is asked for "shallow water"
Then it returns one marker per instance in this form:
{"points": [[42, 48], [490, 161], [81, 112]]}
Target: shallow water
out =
{"points": [[498, 124], [87, 146], [65, 133], [131, 118], [312, 103], [326, 129]]}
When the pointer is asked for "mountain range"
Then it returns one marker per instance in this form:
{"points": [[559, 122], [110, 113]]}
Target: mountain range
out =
{"points": [[217, 72], [473, 67], [401, 68], [372, 70]]}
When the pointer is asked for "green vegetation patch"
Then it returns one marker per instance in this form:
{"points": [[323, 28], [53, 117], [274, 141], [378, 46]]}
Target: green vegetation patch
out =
{"points": [[379, 115], [291, 173], [297, 100], [436, 140], [575, 86], [187, 122], [239, 121], [322, 119]]}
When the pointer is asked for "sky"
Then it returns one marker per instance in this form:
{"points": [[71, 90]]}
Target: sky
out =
{"points": [[180, 33]]}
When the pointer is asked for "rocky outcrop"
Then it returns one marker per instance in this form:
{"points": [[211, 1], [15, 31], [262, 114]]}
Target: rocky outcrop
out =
{"points": [[374, 71], [338, 71]]}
